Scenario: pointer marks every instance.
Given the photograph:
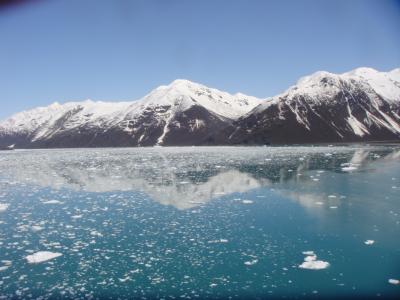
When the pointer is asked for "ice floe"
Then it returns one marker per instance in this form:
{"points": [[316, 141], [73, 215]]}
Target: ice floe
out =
{"points": [[394, 281], [42, 256], [36, 228], [349, 169], [247, 202], [251, 262], [52, 202], [7, 264], [3, 207], [369, 242], [311, 262]]}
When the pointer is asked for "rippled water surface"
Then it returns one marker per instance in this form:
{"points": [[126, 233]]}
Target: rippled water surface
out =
{"points": [[200, 222]]}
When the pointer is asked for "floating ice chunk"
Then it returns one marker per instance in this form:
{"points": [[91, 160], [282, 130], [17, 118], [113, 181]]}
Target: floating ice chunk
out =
{"points": [[247, 202], [42, 256], [311, 262], [369, 242], [52, 202], [333, 207], [3, 207], [251, 262], [95, 233], [124, 279], [36, 228], [394, 281], [76, 217], [332, 196], [7, 264], [218, 241], [310, 258], [314, 265], [349, 169]]}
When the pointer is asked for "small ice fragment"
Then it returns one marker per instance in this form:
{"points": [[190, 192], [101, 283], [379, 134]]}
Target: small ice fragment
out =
{"points": [[369, 242], [52, 202], [247, 201], [314, 265], [319, 203], [311, 262], [36, 228], [223, 240], [95, 233], [349, 169], [3, 268], [333, 207], [251, 262], [124, 279], [42, 256], [331, 196], [394, 281], [3, 207]]}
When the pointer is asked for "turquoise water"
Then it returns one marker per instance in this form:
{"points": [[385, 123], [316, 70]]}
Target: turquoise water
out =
{"points": [[200, 222]]}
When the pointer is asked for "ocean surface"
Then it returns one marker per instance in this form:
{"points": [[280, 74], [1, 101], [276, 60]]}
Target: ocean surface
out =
{"points": [[200, 222]]}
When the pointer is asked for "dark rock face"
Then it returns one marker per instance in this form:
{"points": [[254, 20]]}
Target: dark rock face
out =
{"points": [[194, 126]]}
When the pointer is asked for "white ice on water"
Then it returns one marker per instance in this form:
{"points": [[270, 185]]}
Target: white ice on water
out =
{"points": [[42, 256], [369, 242], [3, 207], [52, 202], [394, 281], [311, 262]]}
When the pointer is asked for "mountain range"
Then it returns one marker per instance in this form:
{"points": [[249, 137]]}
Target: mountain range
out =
{"points": [[360, 105]]}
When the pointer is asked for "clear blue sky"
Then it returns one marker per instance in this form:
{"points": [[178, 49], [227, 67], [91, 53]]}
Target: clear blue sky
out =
{"points": [[55, 50]]}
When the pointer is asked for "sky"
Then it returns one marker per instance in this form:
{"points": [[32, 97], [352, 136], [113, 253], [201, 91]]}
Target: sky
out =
{"points": [[72, 50]]}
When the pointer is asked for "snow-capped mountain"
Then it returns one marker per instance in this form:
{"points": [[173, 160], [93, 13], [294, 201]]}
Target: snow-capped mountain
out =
{"points": [[182, 113], [361, 105]]}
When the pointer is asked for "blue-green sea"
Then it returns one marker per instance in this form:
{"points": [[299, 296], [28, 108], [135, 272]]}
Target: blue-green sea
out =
{"points": [[201, 222]]}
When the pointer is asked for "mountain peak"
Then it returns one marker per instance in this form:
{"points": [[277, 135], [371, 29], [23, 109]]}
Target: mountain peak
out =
{"points": [[315, 77], [363, 71], [181, 82]]}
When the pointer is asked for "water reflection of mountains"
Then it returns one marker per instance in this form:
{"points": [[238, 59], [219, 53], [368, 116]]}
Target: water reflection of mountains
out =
{"points": [[182, 179]]}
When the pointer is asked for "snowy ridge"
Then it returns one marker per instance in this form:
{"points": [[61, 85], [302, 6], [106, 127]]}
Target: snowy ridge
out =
{"points": [[184, 94], [363, 104], [165, 102], [365, 98]]}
